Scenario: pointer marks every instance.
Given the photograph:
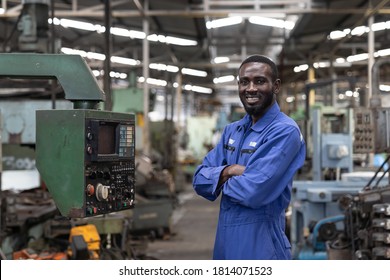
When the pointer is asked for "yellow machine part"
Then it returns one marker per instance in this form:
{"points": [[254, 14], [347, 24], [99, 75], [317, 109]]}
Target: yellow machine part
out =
{"points": [[91, 237]]}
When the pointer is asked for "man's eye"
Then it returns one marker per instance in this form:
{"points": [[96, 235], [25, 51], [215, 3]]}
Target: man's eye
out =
{"points": [[260, 82], [243, 83]]}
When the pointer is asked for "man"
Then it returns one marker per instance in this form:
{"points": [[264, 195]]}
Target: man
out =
{"points": [[253, 167]]}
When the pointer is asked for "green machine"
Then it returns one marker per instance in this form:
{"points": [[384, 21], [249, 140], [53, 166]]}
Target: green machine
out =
{"points": [[86, 156]]}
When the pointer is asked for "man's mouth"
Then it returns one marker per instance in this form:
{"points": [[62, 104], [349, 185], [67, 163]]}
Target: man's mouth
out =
{"points": [[252, 99]]}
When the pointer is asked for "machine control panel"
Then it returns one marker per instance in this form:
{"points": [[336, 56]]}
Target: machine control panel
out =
{"points": [[109, 169], [364, 141], [109, 187], [95, 153], [372, 130]]}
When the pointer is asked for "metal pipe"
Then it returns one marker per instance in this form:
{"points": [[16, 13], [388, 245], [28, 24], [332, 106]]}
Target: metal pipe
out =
{"points": [[146, 54], [375, 100], [107, 61], [212, 12], [179, 81], [53, 85], [371, 60], [375, 74]]}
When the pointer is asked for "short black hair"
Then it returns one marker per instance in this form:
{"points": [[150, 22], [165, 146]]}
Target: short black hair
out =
{"points": [[262, 59]]}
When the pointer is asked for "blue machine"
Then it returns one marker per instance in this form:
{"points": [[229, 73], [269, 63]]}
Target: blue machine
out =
{"points": [[319, 216], [316, 215]]}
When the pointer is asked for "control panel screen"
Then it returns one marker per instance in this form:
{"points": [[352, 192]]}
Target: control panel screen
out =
{"points": [[106, 143]]}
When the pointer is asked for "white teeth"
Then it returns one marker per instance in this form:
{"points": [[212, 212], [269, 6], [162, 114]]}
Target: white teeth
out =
{"points": [[252, 99]]}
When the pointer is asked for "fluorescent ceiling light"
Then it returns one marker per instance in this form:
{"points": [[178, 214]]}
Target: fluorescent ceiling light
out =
{"points": [[2, 11], [125, 60], [337, 34], [133, 34], [99, 56], [340, 60], [133, 62], [379, 26], [89, 55], [384, 87], [118, 75], [321, 64], [120, 32], [357, 57], [359, 30], [96, 73], [156, 38], [223, 79], [82, 25], [171, 40], [113, 74], [180, 41], [384, 52], [193, 72], [163, 67], [201, 89], [272, 22], [223, 22], [188, 87], [73, 51], [300, 68], [152, 81], [156, 82], [221, 59], [137, 34]]}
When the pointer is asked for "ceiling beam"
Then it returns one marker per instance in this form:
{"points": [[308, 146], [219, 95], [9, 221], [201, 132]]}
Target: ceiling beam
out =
{"points": [[212, 13]]}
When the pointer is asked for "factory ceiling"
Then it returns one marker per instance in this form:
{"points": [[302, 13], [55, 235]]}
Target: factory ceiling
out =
{"points": [[186, 35]]}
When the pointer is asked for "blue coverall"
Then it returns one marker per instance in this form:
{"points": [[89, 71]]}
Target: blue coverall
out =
{"points": [[251, 221]]}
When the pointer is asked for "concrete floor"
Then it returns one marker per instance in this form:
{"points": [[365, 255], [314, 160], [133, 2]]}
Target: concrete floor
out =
{"points": [[194, 223]]}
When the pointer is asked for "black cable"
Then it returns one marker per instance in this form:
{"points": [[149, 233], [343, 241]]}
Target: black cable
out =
{"points": [[383, 175], [376, 173], [350, 213]]}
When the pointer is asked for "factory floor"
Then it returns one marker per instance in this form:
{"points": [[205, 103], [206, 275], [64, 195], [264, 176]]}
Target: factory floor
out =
{"points": [[194, 223]]}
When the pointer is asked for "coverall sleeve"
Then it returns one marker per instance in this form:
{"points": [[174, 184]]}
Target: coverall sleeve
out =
{"points": [[269, 170], [207, 174]]}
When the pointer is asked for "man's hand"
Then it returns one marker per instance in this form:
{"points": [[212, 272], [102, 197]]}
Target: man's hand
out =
{"points": [[230, 171]]}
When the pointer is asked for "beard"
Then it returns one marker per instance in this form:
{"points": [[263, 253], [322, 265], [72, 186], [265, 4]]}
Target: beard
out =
{"points": [[257, 110]]}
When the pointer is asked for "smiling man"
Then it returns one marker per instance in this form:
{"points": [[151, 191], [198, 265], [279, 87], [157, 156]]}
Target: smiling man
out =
{"points": [[252, 167]]}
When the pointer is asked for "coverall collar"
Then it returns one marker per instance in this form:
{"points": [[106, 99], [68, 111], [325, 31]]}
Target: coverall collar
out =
{"points": [[264, 121]]}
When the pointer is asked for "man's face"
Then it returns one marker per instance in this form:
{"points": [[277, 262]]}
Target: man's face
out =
{"points": [[256, 88]]}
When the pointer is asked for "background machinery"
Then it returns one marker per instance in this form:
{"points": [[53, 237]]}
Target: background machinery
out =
{"points": [[85, 156], [346, 216]]}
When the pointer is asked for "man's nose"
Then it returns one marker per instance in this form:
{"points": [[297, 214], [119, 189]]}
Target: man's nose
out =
{"points": [[252, 87]]}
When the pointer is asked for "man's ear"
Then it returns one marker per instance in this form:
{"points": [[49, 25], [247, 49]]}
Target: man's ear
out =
{"points": [[277, 85]]}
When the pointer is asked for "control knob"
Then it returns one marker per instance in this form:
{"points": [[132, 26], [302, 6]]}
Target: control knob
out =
{"points": [[101, 192]]}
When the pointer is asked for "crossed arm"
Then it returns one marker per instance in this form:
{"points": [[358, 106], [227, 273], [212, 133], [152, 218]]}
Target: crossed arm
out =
{"points": [[230, 171]]}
